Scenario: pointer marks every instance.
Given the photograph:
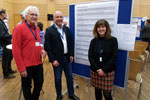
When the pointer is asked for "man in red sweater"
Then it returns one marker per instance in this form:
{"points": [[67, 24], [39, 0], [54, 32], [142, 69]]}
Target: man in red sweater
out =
{"points": [[27, 53]]}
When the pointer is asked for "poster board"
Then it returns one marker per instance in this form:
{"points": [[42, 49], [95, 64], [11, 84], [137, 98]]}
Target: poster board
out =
{"points": [[140, 23], [124, 16]]}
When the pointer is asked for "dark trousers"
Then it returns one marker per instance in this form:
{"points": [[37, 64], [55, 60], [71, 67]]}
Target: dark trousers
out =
{"points": [[35, 73], [66, 66], [6, 61], [98, 94]]}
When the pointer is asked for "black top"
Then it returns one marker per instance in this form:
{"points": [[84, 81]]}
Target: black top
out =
{"points": [[107, 51], [54, 45], [5, 38], [146, 31]]}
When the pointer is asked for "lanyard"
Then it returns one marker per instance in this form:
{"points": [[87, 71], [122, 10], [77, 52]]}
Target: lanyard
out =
{"points": [[100, 49], [32, 31], [61, 35]]}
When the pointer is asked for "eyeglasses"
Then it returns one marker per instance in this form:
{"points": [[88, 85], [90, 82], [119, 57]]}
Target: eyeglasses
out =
{"points": [[32, 14]]}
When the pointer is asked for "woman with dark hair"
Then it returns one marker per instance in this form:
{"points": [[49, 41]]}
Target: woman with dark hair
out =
{"points": [[42, 33], [102, 56]]}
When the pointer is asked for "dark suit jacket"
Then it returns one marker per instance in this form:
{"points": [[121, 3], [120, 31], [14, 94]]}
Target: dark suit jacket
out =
{"points": [[146, 31], [54, 45], [5, 38], [109, 54]]}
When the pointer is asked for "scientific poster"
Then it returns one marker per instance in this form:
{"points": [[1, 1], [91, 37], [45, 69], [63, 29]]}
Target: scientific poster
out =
{"points": [[86, 16], [137, 21]]}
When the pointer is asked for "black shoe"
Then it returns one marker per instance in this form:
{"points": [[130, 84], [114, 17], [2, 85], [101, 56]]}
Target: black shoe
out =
{"points": [[60, 97], [13, 71], [74, 97], [9, 76]]}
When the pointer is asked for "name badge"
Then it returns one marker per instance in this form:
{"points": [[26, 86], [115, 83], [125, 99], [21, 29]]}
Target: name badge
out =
{"points": [[37, 44], [100, 59]]}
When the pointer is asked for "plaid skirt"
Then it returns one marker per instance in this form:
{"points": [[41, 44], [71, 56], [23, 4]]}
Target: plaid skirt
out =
{"points": [[102, 82]]}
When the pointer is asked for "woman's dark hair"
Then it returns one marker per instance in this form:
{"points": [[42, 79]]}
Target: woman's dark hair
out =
{"points": [[40, 25], [102, 22]]}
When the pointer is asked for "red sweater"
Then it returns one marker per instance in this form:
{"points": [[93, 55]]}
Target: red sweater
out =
{"points": [[25, 52]]}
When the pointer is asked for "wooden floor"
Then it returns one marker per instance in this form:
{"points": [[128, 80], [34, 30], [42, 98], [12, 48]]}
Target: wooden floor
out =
{"points": [[10, 88]]}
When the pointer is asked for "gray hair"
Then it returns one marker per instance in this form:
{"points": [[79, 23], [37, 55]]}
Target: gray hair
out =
{"points": [[26, 11]]}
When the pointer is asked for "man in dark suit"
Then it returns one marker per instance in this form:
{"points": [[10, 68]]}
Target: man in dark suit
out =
{"points": [[5, 39], [59, 46], [146, 33]]}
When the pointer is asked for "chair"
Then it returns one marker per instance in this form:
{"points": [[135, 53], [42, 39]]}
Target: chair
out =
{"points": [[137, 55], [138, 60], [135, 69], [142, 43], [135, 73], [134, 54], [141, 47], [145, 45]]}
